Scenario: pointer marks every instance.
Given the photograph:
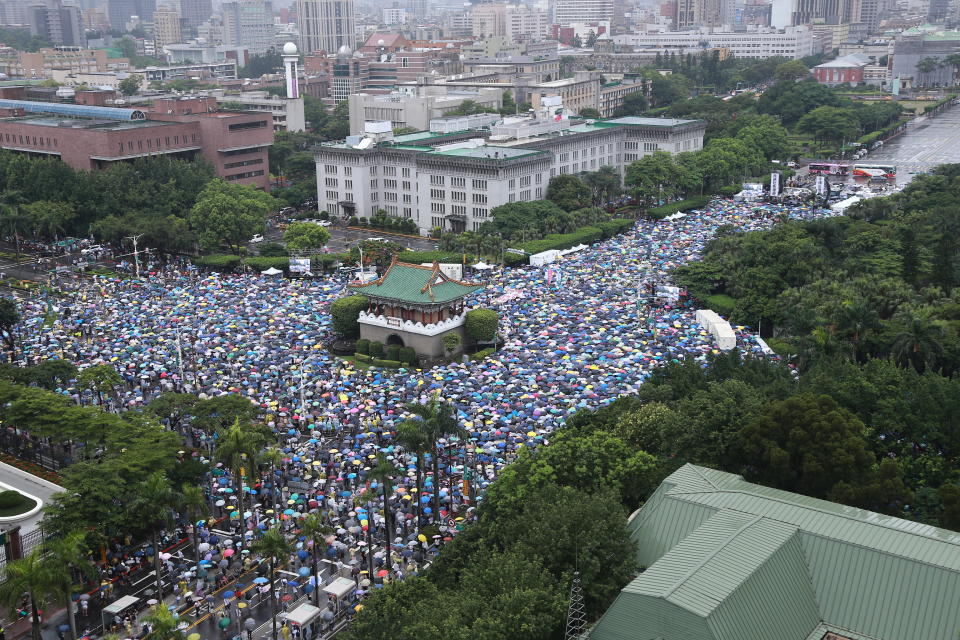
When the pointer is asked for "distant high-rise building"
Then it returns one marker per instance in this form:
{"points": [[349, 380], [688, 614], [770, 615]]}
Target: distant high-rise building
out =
{"points": [[513, 22], [61, 25], [568, 12], [703, 13], [13, 12], [121, 10], [166, 28], [939, 10], [326, 25], [248, 24], [193, 13]]}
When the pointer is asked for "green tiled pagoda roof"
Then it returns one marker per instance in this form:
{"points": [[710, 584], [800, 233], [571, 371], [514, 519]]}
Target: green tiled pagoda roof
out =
{"points": [[417, 284]]}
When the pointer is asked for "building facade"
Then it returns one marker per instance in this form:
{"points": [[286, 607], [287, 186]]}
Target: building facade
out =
{"points": [[287, 113], [120, 11], [414, 111], [914, 45], [569, 12], [248, 24], [166, 28], [326, 25], [453, 175], [791, 42], [92, 138], [56, 22], [510, 21], [194, 13]]}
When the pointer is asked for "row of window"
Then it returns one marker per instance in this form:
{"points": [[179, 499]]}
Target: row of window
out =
{"points": [[243, 163], [248, 174], [37, 141]]}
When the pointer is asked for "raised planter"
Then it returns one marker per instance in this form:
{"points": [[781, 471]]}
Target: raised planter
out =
{"points": [[28, 512]]}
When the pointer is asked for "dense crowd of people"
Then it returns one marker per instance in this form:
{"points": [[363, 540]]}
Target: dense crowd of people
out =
{"points": [[574, 335]]}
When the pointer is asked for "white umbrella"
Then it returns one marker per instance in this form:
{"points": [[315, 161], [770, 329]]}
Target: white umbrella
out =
{"points": [[482, 266], [272, 271]]}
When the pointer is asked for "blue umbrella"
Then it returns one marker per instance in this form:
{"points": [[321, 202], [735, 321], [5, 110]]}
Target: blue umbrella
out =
{"points": [[303, 571], [228, 594], [260, 581]]}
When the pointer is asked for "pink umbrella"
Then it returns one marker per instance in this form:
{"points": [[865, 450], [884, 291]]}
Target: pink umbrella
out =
{"points": [[228, 552]]}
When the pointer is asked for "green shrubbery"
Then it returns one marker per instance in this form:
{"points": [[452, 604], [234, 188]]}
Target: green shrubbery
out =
{"points": [[393, 352], [376, 349], [418, 257], [583, 235], [10, 499], [363, 346], [389, 364], [262, 263], [345, 312], [481, 324], [697, 202], [408, 356], [616, 226], [483, 353], [218, 261]]}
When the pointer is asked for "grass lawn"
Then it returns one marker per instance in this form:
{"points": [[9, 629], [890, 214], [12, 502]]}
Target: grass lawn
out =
{"points": [[23, 507], [353, 362], [721, 303]]}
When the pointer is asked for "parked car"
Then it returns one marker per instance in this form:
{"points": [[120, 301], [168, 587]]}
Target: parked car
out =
{"points": [[377, 239], [324, 223], [255, 239]]}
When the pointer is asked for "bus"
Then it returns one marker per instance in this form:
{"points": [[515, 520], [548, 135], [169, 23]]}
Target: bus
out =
{"points": [[877, 171], [829, 168]]}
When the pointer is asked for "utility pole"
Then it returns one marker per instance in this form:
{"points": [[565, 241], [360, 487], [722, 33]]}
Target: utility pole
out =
{"points": [[136, 254]]}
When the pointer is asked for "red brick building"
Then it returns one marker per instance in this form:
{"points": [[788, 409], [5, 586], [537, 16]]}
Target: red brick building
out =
{"points": [[92, 138], [846, 70]]}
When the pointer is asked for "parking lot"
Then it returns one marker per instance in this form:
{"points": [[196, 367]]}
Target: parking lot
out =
{"points": [[927, 143]]}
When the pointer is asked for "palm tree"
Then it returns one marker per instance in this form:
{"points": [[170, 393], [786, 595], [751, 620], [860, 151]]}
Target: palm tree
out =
{"points": [[32, 576], [437, 421], [13, 221], [953, 61], [314, 527], [153, 505], [858, 318], [413, 440], [383, 473], [193, 504], [66, 557], [918, 341], [273, 546], [163, 625], [926, 66], [237, 449]]}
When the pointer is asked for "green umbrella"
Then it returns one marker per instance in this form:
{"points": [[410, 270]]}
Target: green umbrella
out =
{"points": [[224, 623]]}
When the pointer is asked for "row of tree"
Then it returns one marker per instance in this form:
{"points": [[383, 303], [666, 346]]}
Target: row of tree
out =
{"points": [[879, 282]]}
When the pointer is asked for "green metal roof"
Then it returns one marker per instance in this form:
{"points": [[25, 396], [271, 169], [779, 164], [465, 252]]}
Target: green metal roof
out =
{"points": [[711, 539], [417, 284]]}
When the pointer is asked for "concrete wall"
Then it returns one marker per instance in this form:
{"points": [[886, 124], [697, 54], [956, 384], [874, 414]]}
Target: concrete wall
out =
{"points": [[429, 346]]}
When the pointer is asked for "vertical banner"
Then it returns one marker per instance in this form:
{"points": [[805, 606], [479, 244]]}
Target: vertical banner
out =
{"points": [[821, 186], [775, 184]]}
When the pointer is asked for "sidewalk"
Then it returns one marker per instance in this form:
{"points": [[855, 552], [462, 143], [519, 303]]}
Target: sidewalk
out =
{"points": [[35, 486]]}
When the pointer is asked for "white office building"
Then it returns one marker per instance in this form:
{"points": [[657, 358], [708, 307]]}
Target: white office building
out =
{"points": [[453, 175], [570, 12], [791, 42]]}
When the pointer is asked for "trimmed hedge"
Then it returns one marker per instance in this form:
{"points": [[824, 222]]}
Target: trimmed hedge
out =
{"points": [[583, 235], [362, 357], [363, 346], [393, 352], [9, 499], [408, 356], [389, 364], [218, 261], [376, 349], [481, 324], [345, 313], [483, 353], [697, 202], [262, 263], [416, 257], [616, 226]]}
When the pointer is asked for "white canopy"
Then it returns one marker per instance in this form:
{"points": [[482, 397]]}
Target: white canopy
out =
{"points": [[272, 271], [304, 614], [482, 266], [340, 587]]}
